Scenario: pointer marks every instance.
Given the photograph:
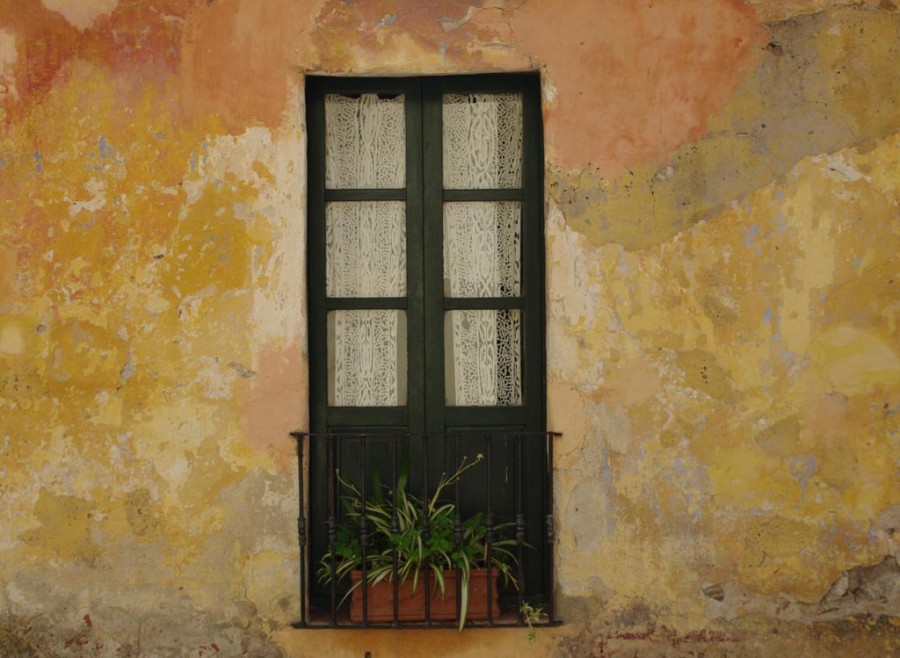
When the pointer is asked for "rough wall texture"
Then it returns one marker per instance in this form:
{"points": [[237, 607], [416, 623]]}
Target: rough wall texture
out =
{"points": [[722, 224]]}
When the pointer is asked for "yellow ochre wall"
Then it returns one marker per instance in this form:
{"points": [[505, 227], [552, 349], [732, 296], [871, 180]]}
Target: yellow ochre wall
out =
{"points": [[722, 230]]}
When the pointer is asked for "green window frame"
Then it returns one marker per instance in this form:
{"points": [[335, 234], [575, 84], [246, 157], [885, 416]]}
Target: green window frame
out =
{"points": [[425, 303]]}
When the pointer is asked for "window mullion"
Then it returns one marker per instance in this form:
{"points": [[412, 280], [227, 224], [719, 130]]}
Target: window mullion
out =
{"points": [[432, 154], [415, 261]]}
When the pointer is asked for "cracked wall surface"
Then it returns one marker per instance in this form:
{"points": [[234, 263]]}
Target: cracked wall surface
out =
{"points": [[722, 220]]}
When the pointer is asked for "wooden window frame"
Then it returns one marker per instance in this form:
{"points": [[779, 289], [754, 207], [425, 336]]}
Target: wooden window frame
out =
{"points": [[424, 303]]}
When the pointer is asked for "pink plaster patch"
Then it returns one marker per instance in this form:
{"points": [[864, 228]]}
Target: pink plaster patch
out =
{"points": [[81, 13], [276, 404]]}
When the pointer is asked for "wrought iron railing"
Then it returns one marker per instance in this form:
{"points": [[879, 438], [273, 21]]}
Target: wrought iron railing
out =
{"points": [[406, 530]]}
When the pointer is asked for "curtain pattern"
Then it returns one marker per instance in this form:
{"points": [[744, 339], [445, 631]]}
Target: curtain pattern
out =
{"points": [[365, 249], [482, 141], [482, 149], [365, 144], [369, 363]]}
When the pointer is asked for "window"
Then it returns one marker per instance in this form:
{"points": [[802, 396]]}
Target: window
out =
{"points": [[425, 287]]}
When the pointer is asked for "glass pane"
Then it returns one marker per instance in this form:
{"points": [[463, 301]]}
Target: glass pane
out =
{"points": [[482, 141], [482, 358], [365, 249], [482, 248], [366, 358], [364, 142]]}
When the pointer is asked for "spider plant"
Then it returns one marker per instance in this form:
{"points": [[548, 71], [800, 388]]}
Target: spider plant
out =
{"points": [[410, 545]]}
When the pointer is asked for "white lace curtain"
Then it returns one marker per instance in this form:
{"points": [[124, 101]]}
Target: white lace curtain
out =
{"points": [[366, 249], [482, 145], [482, 246]]}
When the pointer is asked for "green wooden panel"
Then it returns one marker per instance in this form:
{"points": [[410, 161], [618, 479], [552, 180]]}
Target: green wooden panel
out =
{"points": [[425, 306]]}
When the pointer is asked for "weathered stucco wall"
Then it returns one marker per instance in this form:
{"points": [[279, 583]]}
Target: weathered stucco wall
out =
{"points": [[722, 224]]}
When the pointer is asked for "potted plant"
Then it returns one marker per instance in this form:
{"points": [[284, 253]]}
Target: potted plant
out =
{"points": [[417, 535]]}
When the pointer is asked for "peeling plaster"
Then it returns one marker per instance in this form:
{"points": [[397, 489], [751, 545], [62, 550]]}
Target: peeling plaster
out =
{"points": [[813, 86], [722, 352]]}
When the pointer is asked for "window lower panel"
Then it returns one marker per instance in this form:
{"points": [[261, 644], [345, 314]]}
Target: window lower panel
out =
{"points": [[502, 496]]}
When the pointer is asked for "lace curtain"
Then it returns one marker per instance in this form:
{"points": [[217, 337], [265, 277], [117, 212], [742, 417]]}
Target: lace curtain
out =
{"points": [[364, 142], [365, 249], [482, 141], [482, 147]]}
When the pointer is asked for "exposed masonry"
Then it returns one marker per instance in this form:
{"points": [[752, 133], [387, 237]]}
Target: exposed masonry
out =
{"points": [[869, 589]]}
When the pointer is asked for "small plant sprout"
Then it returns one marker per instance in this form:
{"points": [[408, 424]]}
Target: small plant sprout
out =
{"points": [[531, 616]]}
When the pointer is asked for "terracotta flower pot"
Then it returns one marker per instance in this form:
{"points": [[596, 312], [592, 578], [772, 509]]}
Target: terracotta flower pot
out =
{"points": [[411, 605]]}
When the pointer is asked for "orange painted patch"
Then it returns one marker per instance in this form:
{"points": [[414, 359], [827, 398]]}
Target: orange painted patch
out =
{"points": [[236, 59], [141, 37], [403, 36], [144, 37], [634, 80], [44, 41]]}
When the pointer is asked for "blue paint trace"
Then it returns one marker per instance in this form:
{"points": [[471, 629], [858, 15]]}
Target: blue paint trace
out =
{"points": [[105, 149], [802, 469], [750, 235], [779, 221]]}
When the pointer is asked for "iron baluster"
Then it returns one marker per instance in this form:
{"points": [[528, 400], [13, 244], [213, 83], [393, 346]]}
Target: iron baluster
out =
{"points": [[395, 530], [548, 560], [364, 533], [426, 529], [489, 532], [520, 527], [457, 529], [301, 526], [332, 524]]}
